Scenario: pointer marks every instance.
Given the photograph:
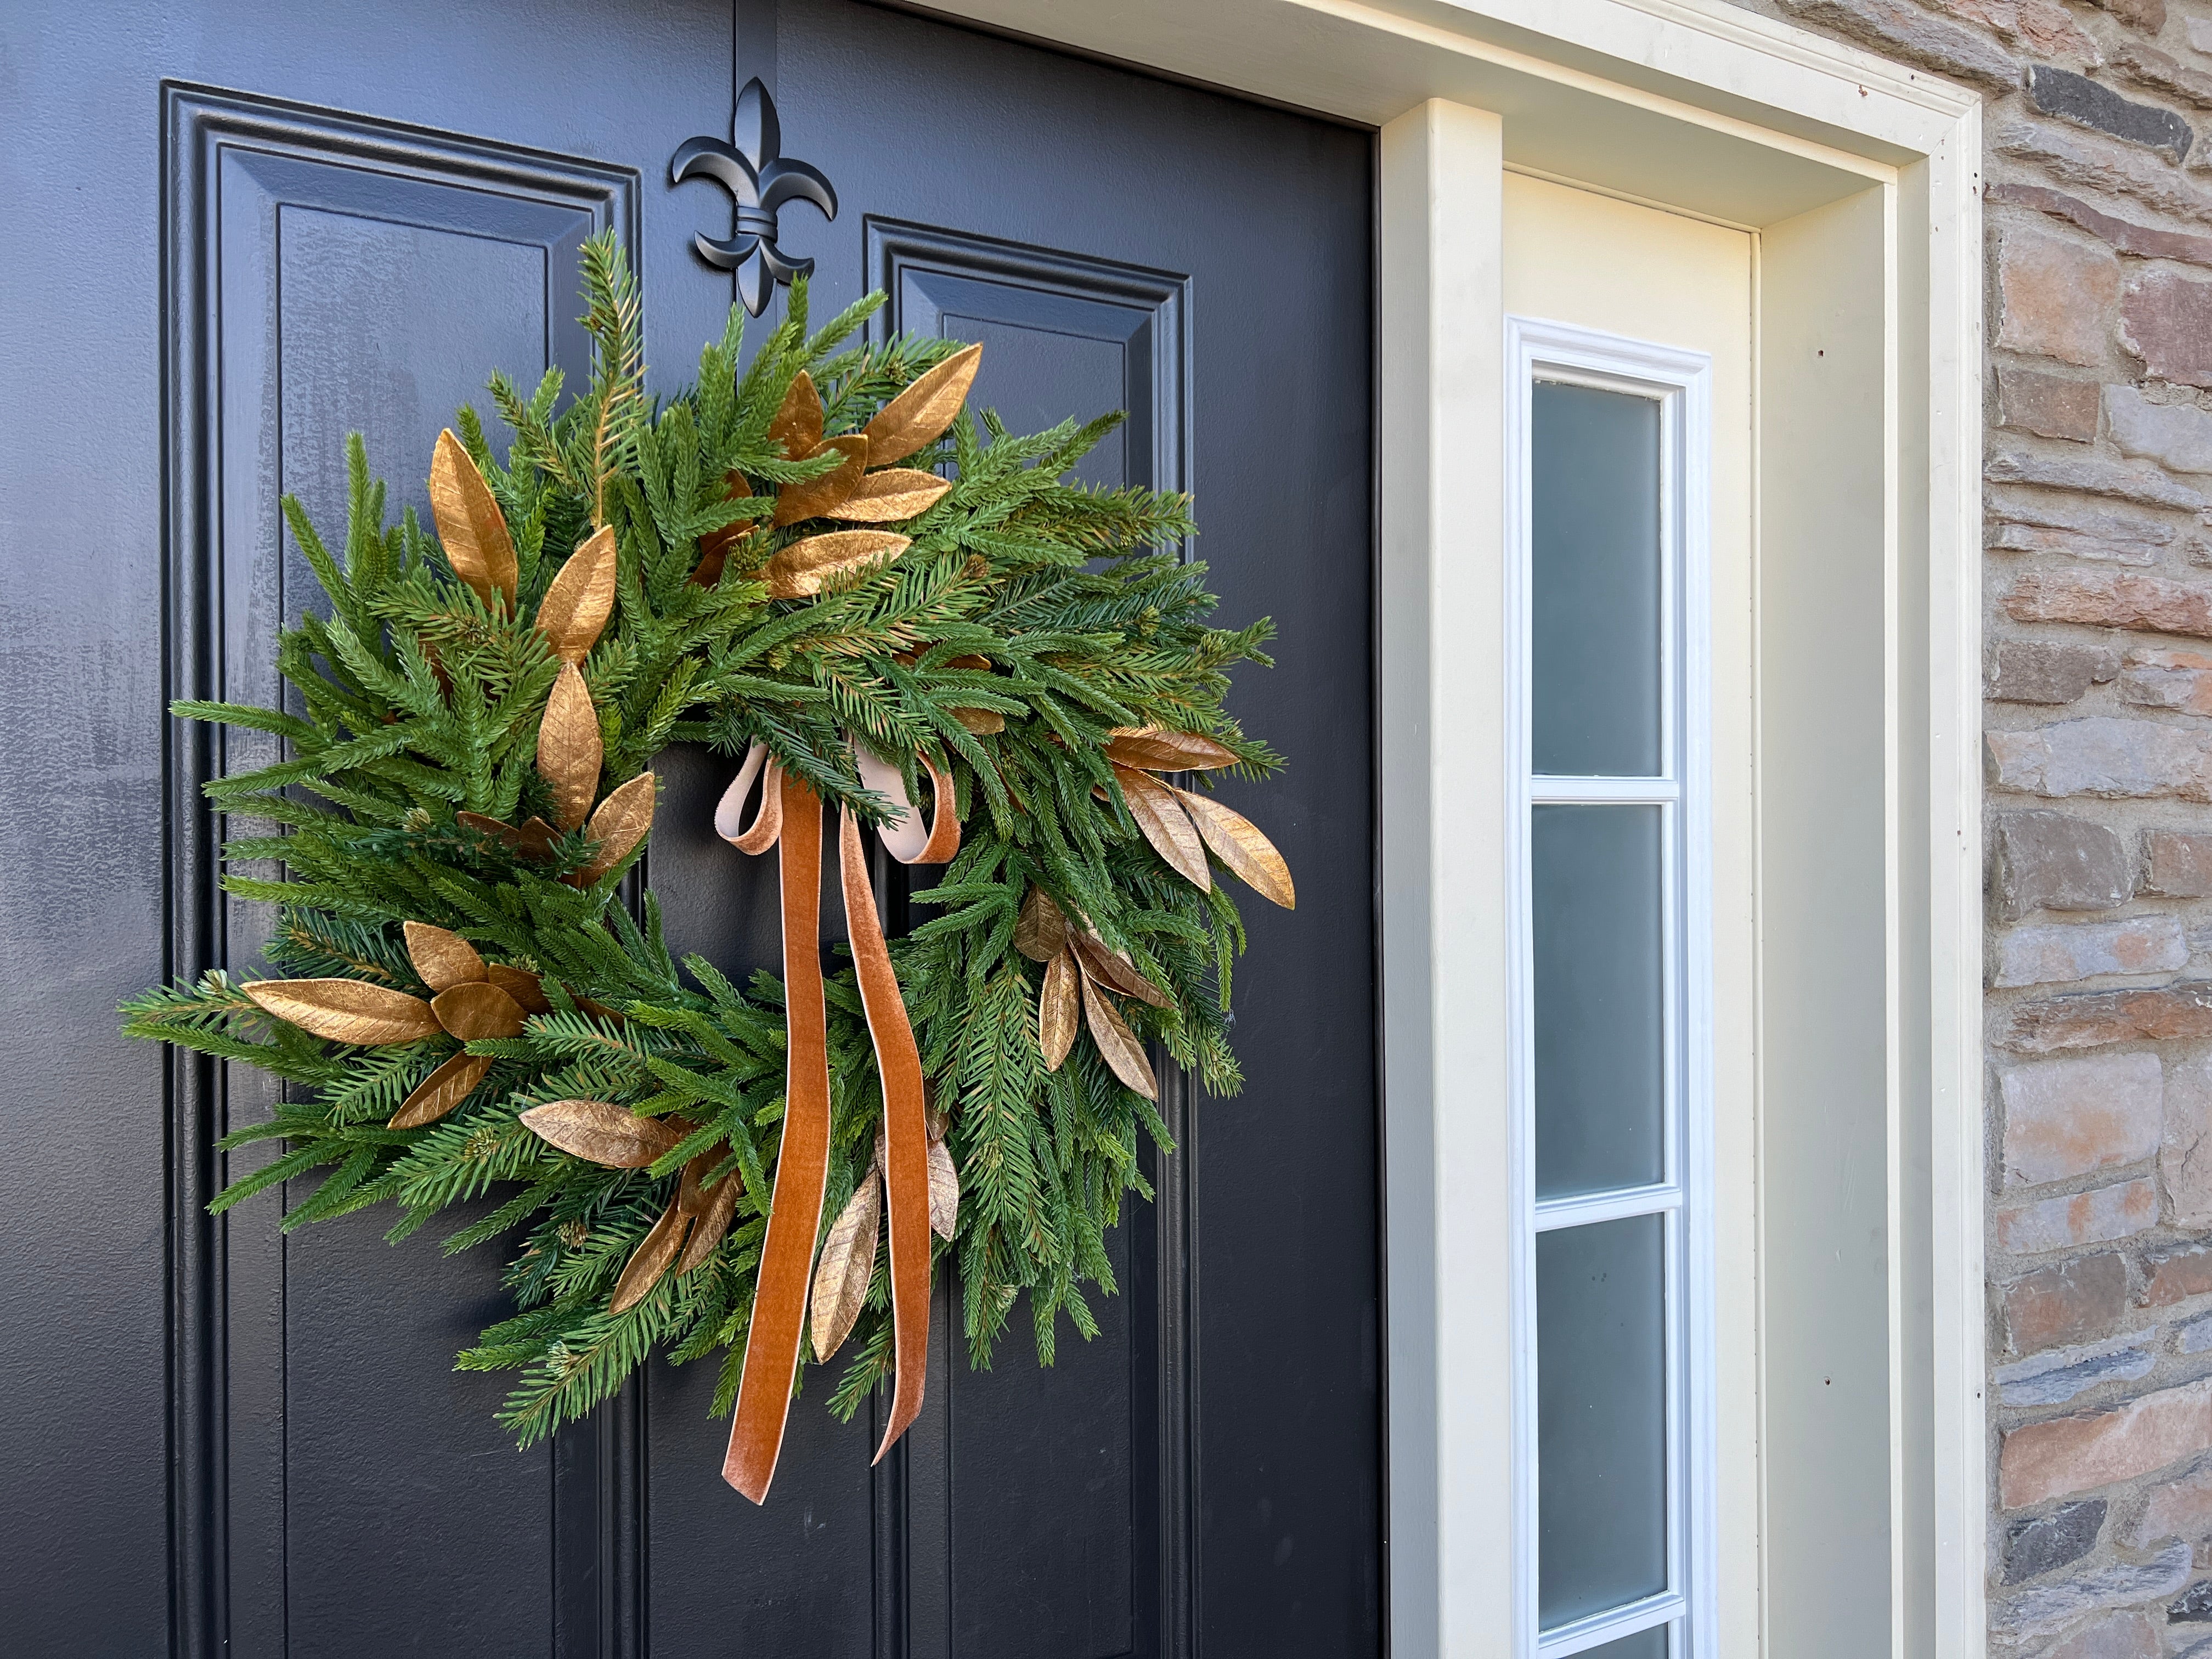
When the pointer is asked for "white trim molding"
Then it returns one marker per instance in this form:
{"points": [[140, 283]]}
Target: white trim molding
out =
{"points": [[1441, 719]]}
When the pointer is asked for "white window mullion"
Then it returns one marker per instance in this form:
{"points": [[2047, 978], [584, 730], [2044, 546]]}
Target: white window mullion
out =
{"points": [[1585, 1209]]}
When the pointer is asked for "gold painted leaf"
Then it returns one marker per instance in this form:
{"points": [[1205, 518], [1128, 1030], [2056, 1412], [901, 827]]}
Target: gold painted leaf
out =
{"points": [[983, 722], [1155, 749], [478, 1010], [1166, 826], [1058, 1009], [601, 1134], [470, 527], [650, 1259], [943, 1191], [1238, 843], [534, 839], [579, 600], [442, 959], [568, 748], [716, 545], [816, 496], [621, 822], [797, 423], [1040, 930], [721, 1204], [345, 1010], [1117, 1044], [919, 415], [892, 495], [691, 1190], [1113, 969], [800, 569], [439, 1093], [522, 985], [849, 1257]]}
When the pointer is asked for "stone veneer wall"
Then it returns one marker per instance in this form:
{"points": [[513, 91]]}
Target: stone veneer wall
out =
{"points": [[2098, 525]]}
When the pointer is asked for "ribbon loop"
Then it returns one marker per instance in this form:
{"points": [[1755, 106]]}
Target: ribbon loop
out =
{"points": [[767, 821], [903, 837]]}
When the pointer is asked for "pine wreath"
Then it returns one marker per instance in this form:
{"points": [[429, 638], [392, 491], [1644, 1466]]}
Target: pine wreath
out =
{"points": [[824, 566]]}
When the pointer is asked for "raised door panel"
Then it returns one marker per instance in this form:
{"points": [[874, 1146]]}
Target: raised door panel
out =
{"points": [[1094, 1441], [1025, 1512], [339, 276]]}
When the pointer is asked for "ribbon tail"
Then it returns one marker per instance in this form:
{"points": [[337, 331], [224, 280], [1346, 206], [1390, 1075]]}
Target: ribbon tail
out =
{"points": [[906, 1132], [802, 1162]]}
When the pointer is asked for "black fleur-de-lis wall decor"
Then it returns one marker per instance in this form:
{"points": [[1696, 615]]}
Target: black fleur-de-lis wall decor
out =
{"points": [[760, 179]]}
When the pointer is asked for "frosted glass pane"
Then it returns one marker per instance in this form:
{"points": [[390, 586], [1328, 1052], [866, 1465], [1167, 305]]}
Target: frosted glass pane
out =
{"points": [[1644, 1644], [1600, 1417], [1600, 1058], [1594, 589]]}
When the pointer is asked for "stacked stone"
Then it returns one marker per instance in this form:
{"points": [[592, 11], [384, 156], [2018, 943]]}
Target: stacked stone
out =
{"points": [[2099, 580]]}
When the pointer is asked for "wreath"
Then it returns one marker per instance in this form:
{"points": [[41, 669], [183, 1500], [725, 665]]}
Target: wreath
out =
{"points": [[890, 611]]}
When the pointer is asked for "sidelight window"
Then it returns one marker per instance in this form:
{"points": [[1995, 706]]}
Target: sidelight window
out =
{"points": [[1608, 466]]}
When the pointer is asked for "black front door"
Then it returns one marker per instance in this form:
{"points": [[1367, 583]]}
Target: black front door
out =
{"points": [[247, 228]]}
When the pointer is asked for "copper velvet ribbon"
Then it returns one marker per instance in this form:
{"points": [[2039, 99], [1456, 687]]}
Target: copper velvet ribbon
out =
{"points": [[790, 818]]}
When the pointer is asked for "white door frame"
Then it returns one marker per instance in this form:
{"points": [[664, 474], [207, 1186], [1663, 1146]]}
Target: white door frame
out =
{"points": [[1861, 177]]}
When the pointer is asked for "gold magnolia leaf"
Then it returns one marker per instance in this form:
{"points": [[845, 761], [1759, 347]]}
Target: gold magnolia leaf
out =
{"points": [[577, 602], [716, 545], [1155, 749], [814, 496], [943, 1191], [621, 822], [523, 986], [345, 1010], [1040, 930], [919, 415], [650, 1259], [1238, 843], [849, 1257], [800, 569], [600, 1133], [478, 1010], [1058, 1009], [691, 1190], [1117, 1044], [439, 1093], [797, 423], [983, 722], [892, 496], [721, 1204], [1113, 969], [533, 840], [442, 959], [568, 748], [1166, 826], [470, 527]]}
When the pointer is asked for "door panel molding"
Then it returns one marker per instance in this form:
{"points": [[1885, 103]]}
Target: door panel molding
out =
{"points": [[235, 165], [930, 272], [937, 279]]}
